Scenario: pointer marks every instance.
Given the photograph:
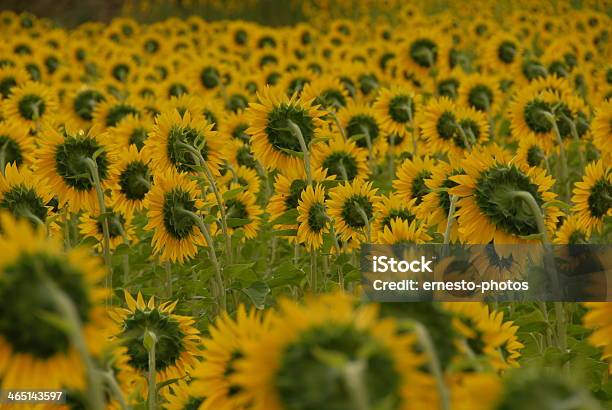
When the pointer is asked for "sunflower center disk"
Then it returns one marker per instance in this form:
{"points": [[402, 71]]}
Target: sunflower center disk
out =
{"points": [[306, 363], [119, 112], [10, 152], [481, 97], [278, 132], [535, 118], [70, 164], [6, 84], [494, 197], [600, 198], [362, 127], [176, 222], [331, 98], [169, 339], [402, 214], [401, 108], [419, 189], [506, 52], [24, 201], [424, 52], [22, 325], [351, 213], [535, 156], [131, 181], [31, 107], [317, 219], [340, 164], [182, 158], [138, 137], [295, 192], [85, 102]]}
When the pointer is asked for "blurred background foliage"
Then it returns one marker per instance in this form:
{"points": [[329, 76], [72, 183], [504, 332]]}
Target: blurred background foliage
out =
{"points": [[70, 13]]}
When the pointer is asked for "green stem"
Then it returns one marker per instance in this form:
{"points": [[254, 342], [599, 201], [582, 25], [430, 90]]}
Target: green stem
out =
{"points": [[562, 160], [450, 219], [366, 221], [353, 373], [221, 297], [66, 308], [3, 158], [337, 122], [313, 270], [150, 343], [297, 133], [168, 279], [109, 378], [95, 176], [219, 198], [434, 364]]}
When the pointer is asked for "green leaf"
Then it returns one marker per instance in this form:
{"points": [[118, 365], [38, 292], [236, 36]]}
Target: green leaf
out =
{"points": [[257, 292], [286, 274], [288, 218], [533, 236], [168, 382], [557, 204], [209, 219], [285, 232], [236, 222], [237, 269], [232, 193]]}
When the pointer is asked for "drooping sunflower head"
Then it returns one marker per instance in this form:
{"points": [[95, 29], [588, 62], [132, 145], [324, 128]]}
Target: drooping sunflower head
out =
{"points": [[182, 142], [234, 126], [30, 104], [108, 113], [326, 91], [502, 52], [439, 124], [593, 197], [177, 341], [34, 273], [532, 152], [391, 207], [287, 357], [571, 233], [400, 231], [82, 102], [242, 211], [131, 131], [489, 207], [480, 92], [602, 128], [68, 161], [351, 206], [277, 124], [423, 52], [11, 77], [362, 126], [120, 227]]}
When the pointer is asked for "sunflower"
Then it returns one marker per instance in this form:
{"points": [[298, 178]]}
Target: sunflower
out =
{"points": [[34, 351], [436, 204], [176, 139], [570, 232], [361, 125], [242, 212], [81, 102], [532, 152], [411, 176], [109, 112], [424, 52], [11, 77], [396, 108], [312, 218], [61, 160], [243, 176], [234, 126], [602, 128], [400, 231], [16, 145], [30, 104], [292, 358], [326, 91], [496, 264], [341, 158], [593, 197], [214, 376], [598, 318], [175, 85], [502, 53], [176, 235], [177, 347], [486, 333], [480, 92], [120, 227], [23, 195], [487, 210], [439, 125], [132, 130], [350, 205], [391, 207], [273, 141]]}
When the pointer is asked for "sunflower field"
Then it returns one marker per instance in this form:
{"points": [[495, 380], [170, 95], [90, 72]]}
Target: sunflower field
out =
{"points": [[183, 204]]}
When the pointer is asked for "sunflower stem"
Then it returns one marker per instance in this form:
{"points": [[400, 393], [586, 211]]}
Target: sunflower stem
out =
{"points": [[391, 157], [337, 122], [366, 134], [450, 219], [313, 270], [297, 133], [221, 297], [150, 340], [562, 160], [66, 308], [126, 257], [95, 176], [353, 373], [366, 221], [342, 169], [110, 380], [434, 363], [468, 146], [168, 270], [3, 158], [219, 198]]}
